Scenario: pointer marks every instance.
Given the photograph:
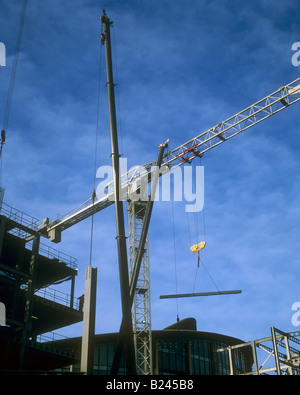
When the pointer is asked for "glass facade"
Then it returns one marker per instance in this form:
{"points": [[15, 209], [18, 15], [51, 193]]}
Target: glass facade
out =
{"points": [[103, 359], [189, 354], [184, 352]]}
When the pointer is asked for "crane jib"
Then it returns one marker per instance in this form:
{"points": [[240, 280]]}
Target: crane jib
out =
{"points": [[185, 153]]}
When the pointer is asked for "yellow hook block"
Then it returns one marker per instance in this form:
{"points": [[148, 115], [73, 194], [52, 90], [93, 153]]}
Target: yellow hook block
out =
{"points": [[198, 247]]}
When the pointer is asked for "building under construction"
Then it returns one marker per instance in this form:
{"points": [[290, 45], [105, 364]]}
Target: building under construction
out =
{"points": [[29, 271]]}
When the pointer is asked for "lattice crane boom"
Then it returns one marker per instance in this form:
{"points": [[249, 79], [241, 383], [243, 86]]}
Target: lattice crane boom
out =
{"points": [[185, 153]]}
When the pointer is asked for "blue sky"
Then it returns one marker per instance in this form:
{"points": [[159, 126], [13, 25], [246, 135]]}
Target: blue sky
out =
{"points": [[181, 67]]}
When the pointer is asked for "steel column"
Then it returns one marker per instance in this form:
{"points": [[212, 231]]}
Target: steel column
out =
{"points": [[89, 319], [27, 330]]}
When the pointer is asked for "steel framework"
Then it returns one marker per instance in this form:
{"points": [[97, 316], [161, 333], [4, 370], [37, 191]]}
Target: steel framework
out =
{"points": [[141, 310], [277, 354]]}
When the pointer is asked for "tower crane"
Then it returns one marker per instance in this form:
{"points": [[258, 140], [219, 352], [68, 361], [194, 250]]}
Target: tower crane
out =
{"points": [[124, 185]]}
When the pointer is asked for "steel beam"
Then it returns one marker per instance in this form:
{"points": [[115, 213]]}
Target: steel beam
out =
{"points": [[189, 295]]}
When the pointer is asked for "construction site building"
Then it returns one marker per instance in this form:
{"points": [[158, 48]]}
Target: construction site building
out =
{"points": [[32, 305]]}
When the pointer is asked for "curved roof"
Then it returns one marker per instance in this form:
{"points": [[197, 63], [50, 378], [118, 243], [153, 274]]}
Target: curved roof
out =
{"points": [[186, 326]]}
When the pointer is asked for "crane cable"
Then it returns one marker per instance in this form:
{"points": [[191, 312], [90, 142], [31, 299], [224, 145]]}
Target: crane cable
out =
{"points": [[197, 232], [174, 250], [96, 151], [175, 262], [12, 77]]}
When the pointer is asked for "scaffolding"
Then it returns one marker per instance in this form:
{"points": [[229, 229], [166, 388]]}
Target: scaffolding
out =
{"points": [[277, 354]]}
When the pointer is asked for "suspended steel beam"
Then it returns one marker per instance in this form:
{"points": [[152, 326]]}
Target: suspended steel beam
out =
{"points": [[199, 294]]}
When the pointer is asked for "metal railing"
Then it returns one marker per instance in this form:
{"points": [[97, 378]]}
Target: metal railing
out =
{"points": [[19, 216], [50, 337], [52, 253], [58, 297], [33, 223]]}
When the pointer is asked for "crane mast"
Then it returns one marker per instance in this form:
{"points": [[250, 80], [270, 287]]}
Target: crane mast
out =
{"points": [[141, 309], [126, 328]]}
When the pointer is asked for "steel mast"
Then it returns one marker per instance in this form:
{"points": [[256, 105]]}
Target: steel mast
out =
{"points": [[138, 223], [126, 327]]}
